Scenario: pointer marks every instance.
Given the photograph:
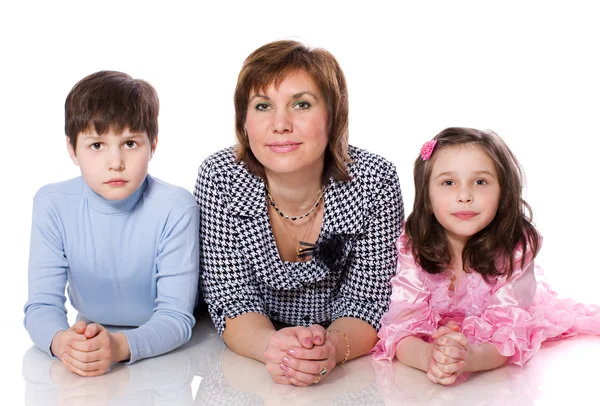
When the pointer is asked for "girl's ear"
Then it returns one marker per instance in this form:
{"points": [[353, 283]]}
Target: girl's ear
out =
{"points": [[71, 151]]}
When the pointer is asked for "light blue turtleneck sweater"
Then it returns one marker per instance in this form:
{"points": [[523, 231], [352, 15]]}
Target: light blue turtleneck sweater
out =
{"points": [[132, 262]]}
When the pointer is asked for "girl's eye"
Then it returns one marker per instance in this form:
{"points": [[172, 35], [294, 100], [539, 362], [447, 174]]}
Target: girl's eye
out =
{"points": [[480, 182], [302, 105], [263, 107], [448, 183], [130, 144], [96, 146]]}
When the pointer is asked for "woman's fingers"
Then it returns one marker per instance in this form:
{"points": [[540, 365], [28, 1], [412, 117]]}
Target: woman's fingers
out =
{"points": [[318, 334]]}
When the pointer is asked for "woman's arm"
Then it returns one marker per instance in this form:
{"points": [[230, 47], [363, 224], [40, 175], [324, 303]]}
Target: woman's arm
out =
{"points": [[365, 289], [361, 337], [248, 334]]}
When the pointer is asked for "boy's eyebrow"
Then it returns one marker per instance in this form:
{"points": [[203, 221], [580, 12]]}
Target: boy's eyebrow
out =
{"points": [[135, 135], [130, 135]]}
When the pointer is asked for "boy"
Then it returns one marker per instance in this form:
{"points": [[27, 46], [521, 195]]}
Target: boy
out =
{"points": [[124, 242]]}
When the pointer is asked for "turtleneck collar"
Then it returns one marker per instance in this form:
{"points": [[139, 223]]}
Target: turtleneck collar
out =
{"points": [[106, 206]]}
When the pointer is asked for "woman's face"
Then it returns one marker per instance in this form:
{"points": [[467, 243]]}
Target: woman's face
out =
{"points": [[288, 126]]}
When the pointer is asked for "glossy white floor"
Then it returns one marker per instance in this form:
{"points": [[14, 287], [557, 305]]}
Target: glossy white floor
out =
{"points": [[205, 372]]}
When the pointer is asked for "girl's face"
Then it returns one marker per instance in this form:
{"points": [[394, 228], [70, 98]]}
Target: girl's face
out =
{"points": [[464, 190], [288, 125]]}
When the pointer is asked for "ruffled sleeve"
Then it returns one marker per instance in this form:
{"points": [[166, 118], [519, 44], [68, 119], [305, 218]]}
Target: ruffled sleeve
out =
{"points": [[506, 322], [410, 313]]}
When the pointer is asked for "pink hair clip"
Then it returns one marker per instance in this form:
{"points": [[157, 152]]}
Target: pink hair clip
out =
{"points": [[427, 149]]}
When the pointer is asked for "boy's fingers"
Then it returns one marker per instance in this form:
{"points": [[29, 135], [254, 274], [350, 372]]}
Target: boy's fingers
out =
{"points": [[79, 327], [93, 330]]}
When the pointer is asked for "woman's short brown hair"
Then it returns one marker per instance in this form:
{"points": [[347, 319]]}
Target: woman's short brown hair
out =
{"points": [[108, 100], [490, 251], [271, 63]]}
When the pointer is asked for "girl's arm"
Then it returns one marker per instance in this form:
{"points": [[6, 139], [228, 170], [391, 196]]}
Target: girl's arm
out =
{"points": [[483, 357], [414, 352]]}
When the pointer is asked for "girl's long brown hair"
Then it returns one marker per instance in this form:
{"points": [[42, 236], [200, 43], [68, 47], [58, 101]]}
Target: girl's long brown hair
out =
{"points": [[490, 251]]}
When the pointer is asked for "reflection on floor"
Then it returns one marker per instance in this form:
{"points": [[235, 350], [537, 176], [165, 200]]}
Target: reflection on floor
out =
{"points": [[205, 372]]}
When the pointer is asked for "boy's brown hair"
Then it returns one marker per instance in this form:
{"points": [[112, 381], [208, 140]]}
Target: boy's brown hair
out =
{"points": [[108, 100]]}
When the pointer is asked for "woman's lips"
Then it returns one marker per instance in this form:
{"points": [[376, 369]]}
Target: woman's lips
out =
{"points": [[284, 146]]}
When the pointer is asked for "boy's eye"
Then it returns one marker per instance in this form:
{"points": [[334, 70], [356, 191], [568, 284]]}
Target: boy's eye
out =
{"points": [[263, 107], [96, 145], [302, 105], [130, 144]]}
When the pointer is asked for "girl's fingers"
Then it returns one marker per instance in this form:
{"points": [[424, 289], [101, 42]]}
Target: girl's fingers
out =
{"points": [[454, 368], [453, 338], [452, 325], [436, 371], [437, 376], [452, 352], [439, 357]]}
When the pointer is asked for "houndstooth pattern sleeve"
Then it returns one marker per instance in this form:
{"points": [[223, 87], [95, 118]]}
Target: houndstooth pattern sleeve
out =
{"points": [[365, 287], [227, 281]]}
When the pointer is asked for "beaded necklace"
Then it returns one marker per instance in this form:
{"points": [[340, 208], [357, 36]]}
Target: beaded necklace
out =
{"points": [[294, 218]]}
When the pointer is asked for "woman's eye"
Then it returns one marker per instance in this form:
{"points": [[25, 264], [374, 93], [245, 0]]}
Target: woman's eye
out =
{"points": [[303, 105], [263, 107]]}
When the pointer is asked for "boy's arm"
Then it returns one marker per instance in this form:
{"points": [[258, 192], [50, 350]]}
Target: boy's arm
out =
{"points": [[177, 285], [45, 312]]}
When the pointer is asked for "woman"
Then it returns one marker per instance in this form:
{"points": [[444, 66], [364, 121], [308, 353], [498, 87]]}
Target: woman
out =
{"points": [[298, 229]]}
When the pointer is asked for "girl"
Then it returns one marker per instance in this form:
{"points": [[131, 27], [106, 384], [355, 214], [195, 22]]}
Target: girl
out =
{"points": [[465, 296]]}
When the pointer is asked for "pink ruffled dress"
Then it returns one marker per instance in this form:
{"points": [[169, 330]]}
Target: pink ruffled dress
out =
{"points": [[514, 315]]}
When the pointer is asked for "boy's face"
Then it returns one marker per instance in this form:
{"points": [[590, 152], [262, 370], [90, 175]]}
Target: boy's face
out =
{"points": [[113, 165]]}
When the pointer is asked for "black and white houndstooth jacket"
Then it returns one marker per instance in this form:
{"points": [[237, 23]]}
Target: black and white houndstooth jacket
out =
{"points": [[349, 276]]}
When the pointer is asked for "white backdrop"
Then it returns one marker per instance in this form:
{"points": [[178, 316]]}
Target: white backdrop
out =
{"points": [[526, 69]]}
